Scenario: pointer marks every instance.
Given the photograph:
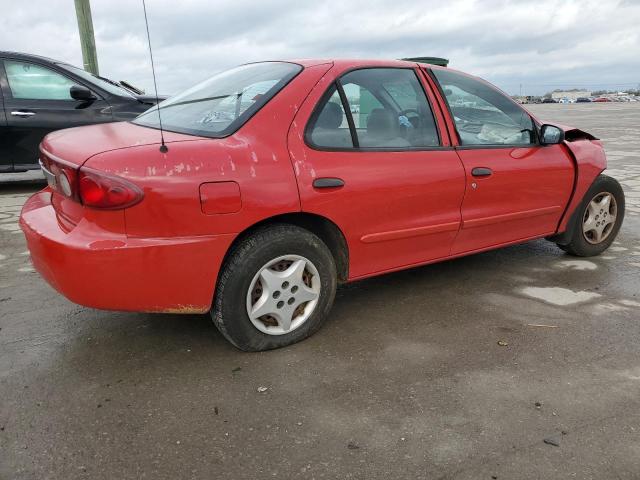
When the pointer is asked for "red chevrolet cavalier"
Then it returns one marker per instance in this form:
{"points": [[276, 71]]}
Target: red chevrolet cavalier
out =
{"points": [[281, 179]]}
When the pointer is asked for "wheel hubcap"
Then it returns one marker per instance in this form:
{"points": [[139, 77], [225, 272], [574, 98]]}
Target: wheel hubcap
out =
{"points": [[283, 294], [599, 218]]}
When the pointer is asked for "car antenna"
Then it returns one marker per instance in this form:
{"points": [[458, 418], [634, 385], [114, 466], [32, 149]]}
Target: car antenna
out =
{"points": [[163, 146]]}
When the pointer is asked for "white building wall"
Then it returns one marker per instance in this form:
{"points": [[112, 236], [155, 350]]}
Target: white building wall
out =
{"points": [[570, 95]]}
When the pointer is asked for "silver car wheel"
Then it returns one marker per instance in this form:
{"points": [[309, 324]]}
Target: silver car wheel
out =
{"points": [[599, 218], [283, 294]]}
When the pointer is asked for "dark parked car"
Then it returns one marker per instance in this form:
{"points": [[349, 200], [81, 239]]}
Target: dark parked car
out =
{"points": [[583, 100], [549, 100], [39, 95]]}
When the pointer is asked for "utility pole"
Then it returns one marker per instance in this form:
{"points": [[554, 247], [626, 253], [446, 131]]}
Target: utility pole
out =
{"points": [[87, 40]]}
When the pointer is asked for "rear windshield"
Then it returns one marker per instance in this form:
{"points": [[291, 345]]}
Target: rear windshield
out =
{"points": [[220, 105]]}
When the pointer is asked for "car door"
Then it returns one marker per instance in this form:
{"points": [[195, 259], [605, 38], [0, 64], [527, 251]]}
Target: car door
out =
{"points": [[368, 155], [516, 189], [37, 101]]}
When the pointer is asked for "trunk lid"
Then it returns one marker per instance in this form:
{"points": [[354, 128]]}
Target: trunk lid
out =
{"points": [[76, 145]]}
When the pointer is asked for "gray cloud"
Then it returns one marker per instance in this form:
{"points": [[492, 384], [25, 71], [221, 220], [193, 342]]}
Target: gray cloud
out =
{"points": [[541, 45]]}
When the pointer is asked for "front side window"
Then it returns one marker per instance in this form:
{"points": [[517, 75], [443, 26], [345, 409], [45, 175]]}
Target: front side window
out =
{"points": [[30, 81], [388, 107], [219, 106], [482, 114]]}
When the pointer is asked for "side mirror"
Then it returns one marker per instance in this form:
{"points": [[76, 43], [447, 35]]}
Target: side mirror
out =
{"points": [[81, 93], [551, 135]]}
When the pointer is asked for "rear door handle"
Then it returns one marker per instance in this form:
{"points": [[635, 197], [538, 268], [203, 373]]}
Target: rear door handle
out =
{"points": [[481, 172], [328, 182], [22, 114]]}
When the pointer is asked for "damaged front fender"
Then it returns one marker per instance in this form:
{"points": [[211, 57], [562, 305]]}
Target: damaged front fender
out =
{"points": [[590, 161]]}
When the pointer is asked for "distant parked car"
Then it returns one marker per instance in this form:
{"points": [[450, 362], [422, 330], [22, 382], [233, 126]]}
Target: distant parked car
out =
{"points": [[583, 100], [548, 100], [602, 100], [256, 218], [42, 95]]}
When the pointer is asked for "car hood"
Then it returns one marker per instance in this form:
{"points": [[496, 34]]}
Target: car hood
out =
{"points": [[77, 145]]}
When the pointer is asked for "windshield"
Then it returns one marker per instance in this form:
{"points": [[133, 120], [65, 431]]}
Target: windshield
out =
{"points": [[103, 84], [220, 105]]}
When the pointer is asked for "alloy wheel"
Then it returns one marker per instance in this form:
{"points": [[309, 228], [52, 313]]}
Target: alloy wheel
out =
{"points": [[599, 218], [283, 294]]}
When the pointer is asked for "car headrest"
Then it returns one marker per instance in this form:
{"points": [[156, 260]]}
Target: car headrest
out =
{"points": [[330, 117], [382, 123]]}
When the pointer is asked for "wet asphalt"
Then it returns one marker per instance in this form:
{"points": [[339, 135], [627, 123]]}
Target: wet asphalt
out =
{"points": [[518, 363]]}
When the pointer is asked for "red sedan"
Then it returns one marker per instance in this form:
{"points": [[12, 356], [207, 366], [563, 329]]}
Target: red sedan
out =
{"points": [[278, 180]]}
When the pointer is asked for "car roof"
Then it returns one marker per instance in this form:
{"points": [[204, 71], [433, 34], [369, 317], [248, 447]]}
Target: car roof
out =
{"points": [[347, 63], [28, 56], [354, 62]]}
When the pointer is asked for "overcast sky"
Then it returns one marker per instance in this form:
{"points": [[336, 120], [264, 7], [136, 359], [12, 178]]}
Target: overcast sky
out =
{"points": [[540, 44]]}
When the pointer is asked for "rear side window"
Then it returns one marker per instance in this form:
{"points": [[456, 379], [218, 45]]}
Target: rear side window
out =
{"points": [[330, 127], [219, 106], [30, 81], [482, 114], [388, 109]]}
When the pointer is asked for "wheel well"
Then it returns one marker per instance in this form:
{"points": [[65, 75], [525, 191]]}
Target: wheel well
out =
{"points": [[324, 228], [564, 238]]}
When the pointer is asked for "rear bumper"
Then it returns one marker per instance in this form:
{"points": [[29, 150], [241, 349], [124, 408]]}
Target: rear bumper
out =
{"points": [[105, 270]]}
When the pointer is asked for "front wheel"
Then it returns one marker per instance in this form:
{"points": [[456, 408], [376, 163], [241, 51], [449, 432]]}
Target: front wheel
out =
{"points": [[276, 288], [599, 218]]}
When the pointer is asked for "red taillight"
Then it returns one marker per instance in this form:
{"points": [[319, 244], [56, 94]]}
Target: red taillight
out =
{"points": [[90, 187], [101, 190]]}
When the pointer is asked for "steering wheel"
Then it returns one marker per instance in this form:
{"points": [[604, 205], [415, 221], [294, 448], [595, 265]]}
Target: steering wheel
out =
{"points": [[406, 111]]}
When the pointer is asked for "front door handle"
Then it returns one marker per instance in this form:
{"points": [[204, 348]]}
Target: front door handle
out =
{"points": [[22, 114], [481, 172], [328, 182]]}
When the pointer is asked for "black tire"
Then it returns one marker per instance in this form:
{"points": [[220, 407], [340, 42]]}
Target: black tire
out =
{"points": [[578, 244], [229, 312]]}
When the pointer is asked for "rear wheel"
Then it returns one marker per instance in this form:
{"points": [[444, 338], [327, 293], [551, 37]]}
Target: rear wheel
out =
{"points": [[599, 219], [276, 288]]}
